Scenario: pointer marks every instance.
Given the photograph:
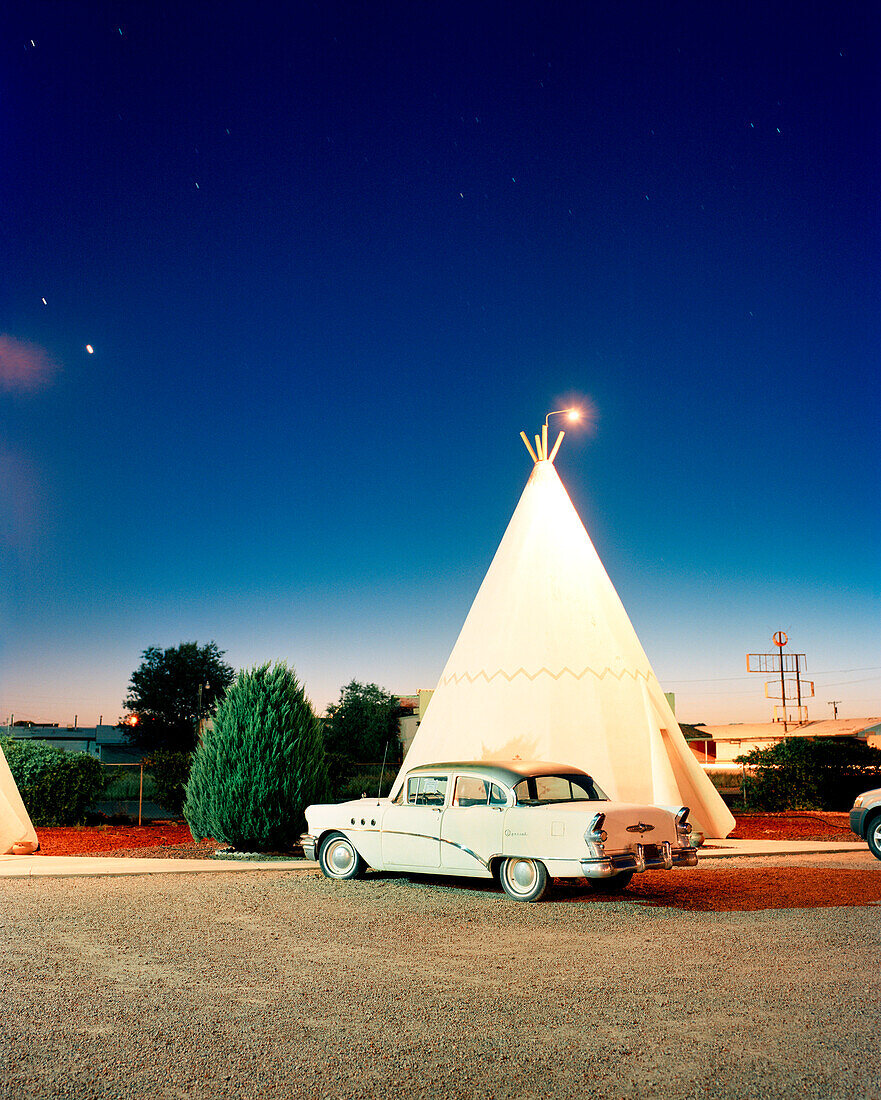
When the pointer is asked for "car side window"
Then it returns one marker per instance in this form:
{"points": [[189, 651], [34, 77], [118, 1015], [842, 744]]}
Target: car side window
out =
{"points": [[470, 791], [497, 796], [426, 790]]}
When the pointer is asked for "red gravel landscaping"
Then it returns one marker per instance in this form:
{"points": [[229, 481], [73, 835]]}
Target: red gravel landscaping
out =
{"points": [[167, 839], [801, 825]]}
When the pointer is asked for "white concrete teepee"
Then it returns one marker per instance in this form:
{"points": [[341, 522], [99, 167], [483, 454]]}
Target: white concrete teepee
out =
{"points": [[548, 667], [15, 823]]}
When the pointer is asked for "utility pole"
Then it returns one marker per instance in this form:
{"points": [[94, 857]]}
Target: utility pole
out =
{"points": [[834, 704]]}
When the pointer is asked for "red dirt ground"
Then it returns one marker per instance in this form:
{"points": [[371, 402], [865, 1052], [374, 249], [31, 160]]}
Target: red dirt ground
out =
{"points": [[748, 889], [169, 839]]}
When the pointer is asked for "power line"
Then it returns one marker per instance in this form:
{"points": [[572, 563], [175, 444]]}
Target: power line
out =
{"points": [[726, 679]]}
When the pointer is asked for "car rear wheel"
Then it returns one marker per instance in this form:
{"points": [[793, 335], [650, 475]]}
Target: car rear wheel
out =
{"points": [[873, 836], [524, 879], [613, 885], [338, 858]]}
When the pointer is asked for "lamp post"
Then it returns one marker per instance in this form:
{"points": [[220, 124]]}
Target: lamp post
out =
{"points": [[199, 711], [573, 415]]}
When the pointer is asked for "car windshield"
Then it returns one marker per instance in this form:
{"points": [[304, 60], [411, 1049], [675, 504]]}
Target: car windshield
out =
{"points": [[540, 790]]}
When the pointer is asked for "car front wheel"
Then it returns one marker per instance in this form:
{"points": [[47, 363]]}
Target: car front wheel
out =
{"points": [[337, 857], [873, 836], [524, 879], [613, 885]]}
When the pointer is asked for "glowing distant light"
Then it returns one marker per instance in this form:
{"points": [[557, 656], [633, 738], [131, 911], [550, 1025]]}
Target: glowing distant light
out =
{"points": [[573, 414], [43, 300], [90, 349]]}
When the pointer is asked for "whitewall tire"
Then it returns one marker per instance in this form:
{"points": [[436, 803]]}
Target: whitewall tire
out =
{"points": [[338, 858]]}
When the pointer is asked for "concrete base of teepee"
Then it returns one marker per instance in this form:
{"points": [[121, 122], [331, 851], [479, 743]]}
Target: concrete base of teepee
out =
{"points": [[17, 834]]}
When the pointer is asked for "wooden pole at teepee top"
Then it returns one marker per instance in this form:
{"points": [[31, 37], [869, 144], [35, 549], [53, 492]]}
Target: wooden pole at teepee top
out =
{"points": [[528, 446], [553, 453]]}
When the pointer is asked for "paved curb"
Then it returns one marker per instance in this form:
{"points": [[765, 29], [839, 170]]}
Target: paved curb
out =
{"points": [[726, 849], [65, 866]]}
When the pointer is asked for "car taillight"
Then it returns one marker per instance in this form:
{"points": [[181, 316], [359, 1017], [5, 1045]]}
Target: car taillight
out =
{"points": [[595, 833], [683, 826]]}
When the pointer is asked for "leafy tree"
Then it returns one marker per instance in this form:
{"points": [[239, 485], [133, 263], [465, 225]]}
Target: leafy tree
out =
{"points": [[360, 726], [170, 693], [810, 773], [259, 766]]}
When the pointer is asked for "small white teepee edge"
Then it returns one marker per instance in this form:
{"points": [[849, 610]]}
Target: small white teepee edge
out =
{"points": [[15, 822]]}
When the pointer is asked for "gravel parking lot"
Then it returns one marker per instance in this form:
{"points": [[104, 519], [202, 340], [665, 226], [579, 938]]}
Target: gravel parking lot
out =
{"points": [[275, 985]]}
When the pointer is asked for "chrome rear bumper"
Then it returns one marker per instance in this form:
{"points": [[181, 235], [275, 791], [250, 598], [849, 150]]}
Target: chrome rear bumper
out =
{"points": [[310, 845], [644, 857]]}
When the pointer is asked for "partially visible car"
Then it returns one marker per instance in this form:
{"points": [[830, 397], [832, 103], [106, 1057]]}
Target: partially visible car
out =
{"points": [[865, 819], [520, 822]]}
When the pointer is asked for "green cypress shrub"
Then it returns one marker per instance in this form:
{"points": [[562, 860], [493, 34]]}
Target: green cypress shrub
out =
{"points": [[57, 787], [260, 765]]}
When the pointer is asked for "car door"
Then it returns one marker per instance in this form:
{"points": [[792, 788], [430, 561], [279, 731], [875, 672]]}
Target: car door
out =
{"points": [[472, 826], [411, 829]]}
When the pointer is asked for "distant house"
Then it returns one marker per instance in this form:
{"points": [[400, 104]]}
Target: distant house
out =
{"points": [[723, 744], [108, 743], [412, 711]]}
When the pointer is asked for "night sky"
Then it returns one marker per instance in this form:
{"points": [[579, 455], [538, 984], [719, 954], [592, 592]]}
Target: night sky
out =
{"points": [[331, 258]]}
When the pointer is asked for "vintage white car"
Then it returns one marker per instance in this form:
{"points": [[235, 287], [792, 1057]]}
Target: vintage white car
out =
{"points": [[524, 823]]}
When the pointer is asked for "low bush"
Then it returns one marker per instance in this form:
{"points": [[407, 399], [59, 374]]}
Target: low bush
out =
{"points": [[124, 785], [169, 772], [726, 781], [810, 773], [57, 787]]}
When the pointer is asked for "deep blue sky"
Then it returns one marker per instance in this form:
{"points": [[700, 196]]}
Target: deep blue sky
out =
{"points": [[332, 257]]}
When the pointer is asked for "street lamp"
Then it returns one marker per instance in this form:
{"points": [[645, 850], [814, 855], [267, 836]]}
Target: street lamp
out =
{"points": [[573, 415], [199, 718]]}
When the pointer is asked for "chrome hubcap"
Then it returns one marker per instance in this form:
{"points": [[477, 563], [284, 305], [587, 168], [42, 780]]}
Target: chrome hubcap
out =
{"points": [[521, 875], [340, 857]]}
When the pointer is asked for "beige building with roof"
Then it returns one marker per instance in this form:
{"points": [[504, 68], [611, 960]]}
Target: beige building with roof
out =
{"points": [[725, 743]]}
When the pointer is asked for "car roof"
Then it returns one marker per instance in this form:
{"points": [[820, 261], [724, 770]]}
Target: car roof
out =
{"points": [[509, 772]]}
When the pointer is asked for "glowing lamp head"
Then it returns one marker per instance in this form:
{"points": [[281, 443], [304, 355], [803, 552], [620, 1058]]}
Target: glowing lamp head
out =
{"points": [[573, 415]]}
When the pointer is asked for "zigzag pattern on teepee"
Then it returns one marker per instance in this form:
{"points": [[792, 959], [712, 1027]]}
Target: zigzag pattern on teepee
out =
{"points": [[458, 677]]}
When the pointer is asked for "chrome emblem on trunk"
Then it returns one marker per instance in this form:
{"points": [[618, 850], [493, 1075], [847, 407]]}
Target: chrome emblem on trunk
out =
{"points": [[640, 828]]}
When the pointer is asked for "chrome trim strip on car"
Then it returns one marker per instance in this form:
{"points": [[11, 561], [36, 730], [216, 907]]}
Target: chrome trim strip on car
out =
{"points": [[467, 851], [440, 840]]}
